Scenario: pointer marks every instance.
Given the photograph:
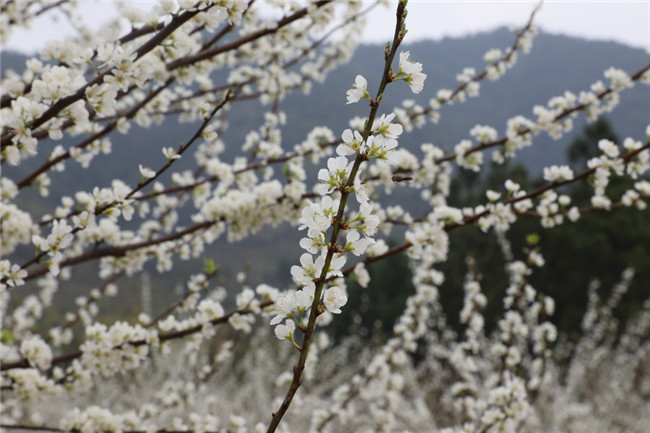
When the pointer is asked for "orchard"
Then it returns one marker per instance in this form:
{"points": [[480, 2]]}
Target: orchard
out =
{"points": [[247, 355]]}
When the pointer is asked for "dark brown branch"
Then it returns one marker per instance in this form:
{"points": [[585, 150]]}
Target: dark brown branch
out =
{"points": [[206, 54], [480, 76], [58, 430], [85, 143], [524, 131], [118, 251], [23, 363], [80, 93], [141, 185]]}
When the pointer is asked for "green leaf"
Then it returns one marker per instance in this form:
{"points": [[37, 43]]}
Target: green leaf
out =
{"points": [[532, 239], [209, 267], [6, 336]]}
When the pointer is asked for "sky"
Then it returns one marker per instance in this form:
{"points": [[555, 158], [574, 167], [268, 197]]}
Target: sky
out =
{"points": [[622, 21], [627, 22]]}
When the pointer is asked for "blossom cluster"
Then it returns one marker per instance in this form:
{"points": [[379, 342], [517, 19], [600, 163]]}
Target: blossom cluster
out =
{"points": [[325, 257]]}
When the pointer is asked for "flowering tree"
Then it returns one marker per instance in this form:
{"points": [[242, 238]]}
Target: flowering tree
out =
{"points": [[202, 366]]}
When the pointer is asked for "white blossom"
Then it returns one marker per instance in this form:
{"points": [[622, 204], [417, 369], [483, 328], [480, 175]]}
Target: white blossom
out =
{"points": [[359, 90], [413, 71], [285, 331], [334, 299]]}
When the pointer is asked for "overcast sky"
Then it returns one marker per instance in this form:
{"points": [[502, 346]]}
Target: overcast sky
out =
{"points": [[627, 22], [623, 21]]}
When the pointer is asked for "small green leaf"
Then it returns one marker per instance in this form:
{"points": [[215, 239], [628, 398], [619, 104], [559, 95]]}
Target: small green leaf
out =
{"points": [[209, 267], [6, 336], [532, 239]]}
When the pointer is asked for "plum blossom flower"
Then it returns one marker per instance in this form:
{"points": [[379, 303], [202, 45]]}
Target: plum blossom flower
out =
{"points": [[37, 352], [492, 195], [317, 217], [315, 244], [355, 244], [170, 153], [619, 79], [361, 191], [60, 238], [12, 274], [361, 275], [384, 126], [380, 147], [558, 173], [413, 71], [304, 299], [359, 90], [11, 154], [334, 299], [285, 331], [352, 143], [609, 148], [146, 172], [467, 159], [311, 270], [370, 221], [306, 273], [334, 176], [483, 133], [283, 307]]}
